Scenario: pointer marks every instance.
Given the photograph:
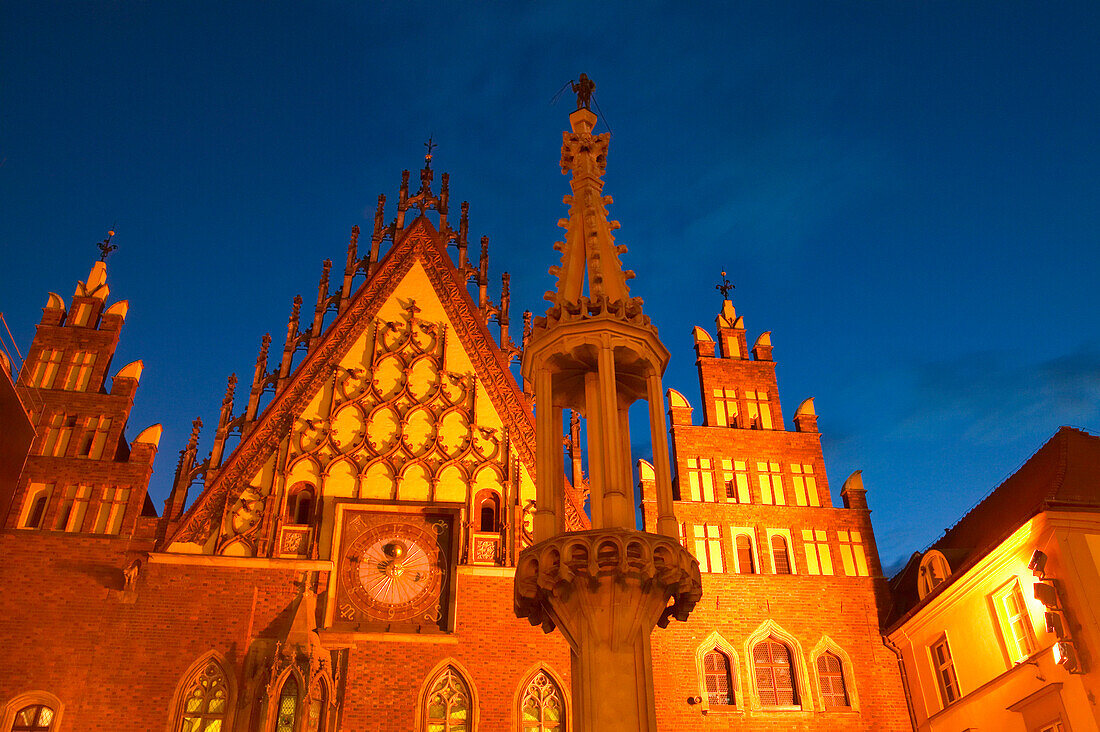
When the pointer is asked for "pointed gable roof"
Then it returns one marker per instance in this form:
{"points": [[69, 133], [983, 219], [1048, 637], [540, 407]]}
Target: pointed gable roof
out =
{"points": [[419, 242]]}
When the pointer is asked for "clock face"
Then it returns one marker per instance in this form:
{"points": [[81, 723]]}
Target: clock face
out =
{"points": [[394, 571]]}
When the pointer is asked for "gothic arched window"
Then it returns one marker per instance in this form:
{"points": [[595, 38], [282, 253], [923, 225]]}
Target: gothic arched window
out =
{"points": [[774, 669], [542, 708], [33, 718], [719, 678], [206, 702], [448, 707], [745, 561], [287, 715], [830, 671]]}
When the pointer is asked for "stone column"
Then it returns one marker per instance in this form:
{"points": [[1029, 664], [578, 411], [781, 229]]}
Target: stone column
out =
{"points": [[666, 517], [545, 521]]}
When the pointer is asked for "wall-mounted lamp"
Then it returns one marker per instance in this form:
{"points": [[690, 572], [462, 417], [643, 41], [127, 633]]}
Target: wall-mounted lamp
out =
{"points": [[1054, 624], [1065, 655], [1038, 563], [1046, 594]]}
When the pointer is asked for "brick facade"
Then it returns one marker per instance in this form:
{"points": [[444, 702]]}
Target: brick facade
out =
{"points": [[117, 616]]}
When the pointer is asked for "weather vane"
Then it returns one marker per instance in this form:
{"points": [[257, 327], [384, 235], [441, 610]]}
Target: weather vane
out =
{"points": [[724, 287], [106, 247], [428, 157]]}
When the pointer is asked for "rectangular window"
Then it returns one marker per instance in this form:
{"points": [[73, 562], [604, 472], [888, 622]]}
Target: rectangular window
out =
{"points": [[735, 477], [944, 669], [771, 484], [95, 437], [708, 548], [59, 431], [700, 479], [818, 559], [74, 505], [1015, 621], [112, 508], [760, 414], [725, 407], [805, 485], [852, 556], [79, 314], [80, 372], [45, 370]]}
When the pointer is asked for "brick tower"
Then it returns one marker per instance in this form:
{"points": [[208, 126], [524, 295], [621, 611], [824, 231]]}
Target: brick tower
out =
{"points": [[787, 633], [81, 475]]}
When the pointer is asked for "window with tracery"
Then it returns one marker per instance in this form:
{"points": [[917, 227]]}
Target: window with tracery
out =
{"points": [[719, 678], [315, 714], [287, 716], [206, 702], [830, 671], [33, 718], [542, 708], [449, 706], [774, 668]]}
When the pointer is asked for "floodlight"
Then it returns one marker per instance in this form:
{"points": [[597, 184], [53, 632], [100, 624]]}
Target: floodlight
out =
{"points": [[1038, 563], [1046, 594], [1054, 624], [1065, 655]]}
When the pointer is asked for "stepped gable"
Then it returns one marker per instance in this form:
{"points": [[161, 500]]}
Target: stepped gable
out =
{"points": [[1061, 474], [421, 242]]}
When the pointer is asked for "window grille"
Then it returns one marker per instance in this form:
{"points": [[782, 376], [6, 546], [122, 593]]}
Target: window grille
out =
{"points": [[287, 718], [719, 679], [774, 674], [33, 718], [830, 671], [781, 559]]}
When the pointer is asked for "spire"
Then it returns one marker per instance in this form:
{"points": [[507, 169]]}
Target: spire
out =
{"points": [[589, 250]]}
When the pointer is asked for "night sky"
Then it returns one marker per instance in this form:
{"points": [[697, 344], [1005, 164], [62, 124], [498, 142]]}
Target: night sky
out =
{"points": [[907, 194]]}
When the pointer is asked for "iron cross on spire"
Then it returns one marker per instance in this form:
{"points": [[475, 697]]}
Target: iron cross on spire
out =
{"points": [[106, 247], [428, 156], [724, 287]]}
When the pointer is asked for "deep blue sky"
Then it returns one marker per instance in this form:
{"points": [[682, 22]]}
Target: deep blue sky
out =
{"points": [[907, 194]]}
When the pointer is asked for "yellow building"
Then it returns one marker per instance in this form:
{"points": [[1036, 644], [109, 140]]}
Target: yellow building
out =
{"points": [[998, 622]]}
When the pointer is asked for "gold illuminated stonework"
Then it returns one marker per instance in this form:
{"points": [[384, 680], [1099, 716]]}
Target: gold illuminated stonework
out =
{"points": [[596, 353]]}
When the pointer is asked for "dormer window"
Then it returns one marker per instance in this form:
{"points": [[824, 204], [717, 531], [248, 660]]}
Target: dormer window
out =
{"points": [[933, 571]]}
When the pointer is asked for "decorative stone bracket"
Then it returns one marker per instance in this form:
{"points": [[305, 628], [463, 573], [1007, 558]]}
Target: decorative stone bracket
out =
{"points": [[651, 567]]}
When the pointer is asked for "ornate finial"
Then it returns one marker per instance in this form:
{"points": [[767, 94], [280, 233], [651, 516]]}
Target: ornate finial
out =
{"points": [[724, 287], [229, 389], [193, 442], [106, 247], [583, 88], [428, 156]]}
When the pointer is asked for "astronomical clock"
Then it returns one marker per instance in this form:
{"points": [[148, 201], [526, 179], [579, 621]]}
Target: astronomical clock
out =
{"points": [[394, 569]]}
